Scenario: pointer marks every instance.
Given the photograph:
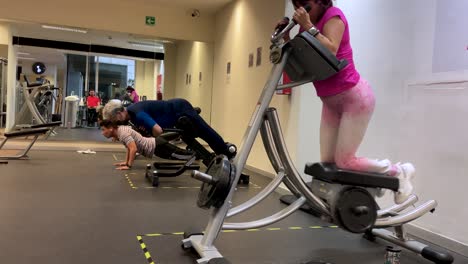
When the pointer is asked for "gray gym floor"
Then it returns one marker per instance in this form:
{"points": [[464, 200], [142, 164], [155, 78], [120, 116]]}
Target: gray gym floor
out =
{"points": [[65, 207], [78, 134]]}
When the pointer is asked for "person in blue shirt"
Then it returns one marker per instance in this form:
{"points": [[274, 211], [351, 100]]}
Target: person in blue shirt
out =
{"points": [[153, 116]]}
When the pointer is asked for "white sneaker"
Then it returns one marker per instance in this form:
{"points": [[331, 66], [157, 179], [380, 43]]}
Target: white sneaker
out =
{"points": [[386, 164], [405, 175]]}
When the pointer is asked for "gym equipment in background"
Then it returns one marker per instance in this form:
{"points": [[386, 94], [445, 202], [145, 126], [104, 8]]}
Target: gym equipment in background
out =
{"points": [[39, 99], [3, 90], [34, 130]]}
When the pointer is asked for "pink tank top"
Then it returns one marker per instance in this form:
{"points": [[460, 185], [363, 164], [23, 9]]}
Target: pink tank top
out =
{"points": [[347, 77]]}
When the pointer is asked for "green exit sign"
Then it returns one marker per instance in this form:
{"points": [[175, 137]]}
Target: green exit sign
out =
{"points": [[150, 20]]}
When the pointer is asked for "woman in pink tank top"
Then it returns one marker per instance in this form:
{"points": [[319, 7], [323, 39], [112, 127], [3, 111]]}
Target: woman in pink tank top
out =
{"points": [[348, 100]]}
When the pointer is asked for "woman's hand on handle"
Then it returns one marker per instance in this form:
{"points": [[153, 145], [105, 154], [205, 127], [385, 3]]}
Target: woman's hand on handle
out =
{"points": [[301, 16]]}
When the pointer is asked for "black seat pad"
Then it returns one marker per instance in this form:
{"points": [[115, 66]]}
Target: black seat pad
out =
{"points": [[329, 172], [26, 132], [169, 135], [53, 124]]}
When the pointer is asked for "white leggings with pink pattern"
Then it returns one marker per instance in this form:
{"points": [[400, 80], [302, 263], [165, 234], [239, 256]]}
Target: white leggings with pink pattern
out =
{"points": [[345, 117]]}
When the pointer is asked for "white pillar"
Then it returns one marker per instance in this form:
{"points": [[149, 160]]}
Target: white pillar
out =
{"points": [[162, 72], [11, 82]]}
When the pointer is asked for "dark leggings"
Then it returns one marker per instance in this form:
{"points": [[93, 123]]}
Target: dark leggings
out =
{"points": [[203, 130], [164, 149], [92, 116]]}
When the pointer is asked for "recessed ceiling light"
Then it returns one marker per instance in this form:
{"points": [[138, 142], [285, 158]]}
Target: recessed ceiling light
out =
{"points": [[24, 53], [164, 41], [146, 45], [76, 30], [23, 58]]}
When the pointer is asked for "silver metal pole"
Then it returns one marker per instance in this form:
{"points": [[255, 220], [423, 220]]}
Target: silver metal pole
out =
{"points": [[3, 142], [268, 143], [32, 108], [292, 172], [276, 38], [398, 207], [400, 232], [412, 245], [203, 177], [291, 85], [28, 148], [86, 78], [22, 154], [273, 155], [96, 86], [407, 217], [24, 106], [259, 197], [217, 216], [267, 220], [2, 88]]}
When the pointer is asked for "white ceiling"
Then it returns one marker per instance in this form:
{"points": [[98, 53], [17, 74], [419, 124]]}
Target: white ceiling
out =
{"points": [[96, 37], [35, 54]]}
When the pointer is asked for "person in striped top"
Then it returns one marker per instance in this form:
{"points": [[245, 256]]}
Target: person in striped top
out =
{"points": [[132, 140]]}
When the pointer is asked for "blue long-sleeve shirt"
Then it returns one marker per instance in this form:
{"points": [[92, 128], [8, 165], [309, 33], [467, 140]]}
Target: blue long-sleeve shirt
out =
{"points": [[146, 114]]}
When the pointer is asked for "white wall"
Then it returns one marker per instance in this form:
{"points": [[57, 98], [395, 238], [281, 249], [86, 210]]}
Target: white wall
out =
{"points": [[433, 130], [4, 50], [451, 44], [170, 69], [241, 27], [3, 41], [158, 69], [4, 31], [393, 47], [194, 57], [11, 81], [145, 79]]}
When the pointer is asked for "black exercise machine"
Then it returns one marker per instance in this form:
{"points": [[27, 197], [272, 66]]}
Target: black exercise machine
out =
{"points": [[52, 126], [33, 130], [36, 132], [196, 151]]}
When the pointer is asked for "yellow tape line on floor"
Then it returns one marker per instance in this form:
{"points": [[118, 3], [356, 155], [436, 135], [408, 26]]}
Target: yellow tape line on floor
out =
{"points": [[130, 182], [145, 250], [127, 176], [249, 230], [151, 261]]}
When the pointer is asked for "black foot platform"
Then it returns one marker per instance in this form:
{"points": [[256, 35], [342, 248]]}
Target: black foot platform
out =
{"points": [[289, 199]]}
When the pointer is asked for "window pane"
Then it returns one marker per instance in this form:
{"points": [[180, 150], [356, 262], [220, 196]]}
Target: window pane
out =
{"points": [[76, 75], [115, 74]]}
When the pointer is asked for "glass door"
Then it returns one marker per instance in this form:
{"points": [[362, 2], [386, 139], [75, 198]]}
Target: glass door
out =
{"points": [[112, 78]]}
